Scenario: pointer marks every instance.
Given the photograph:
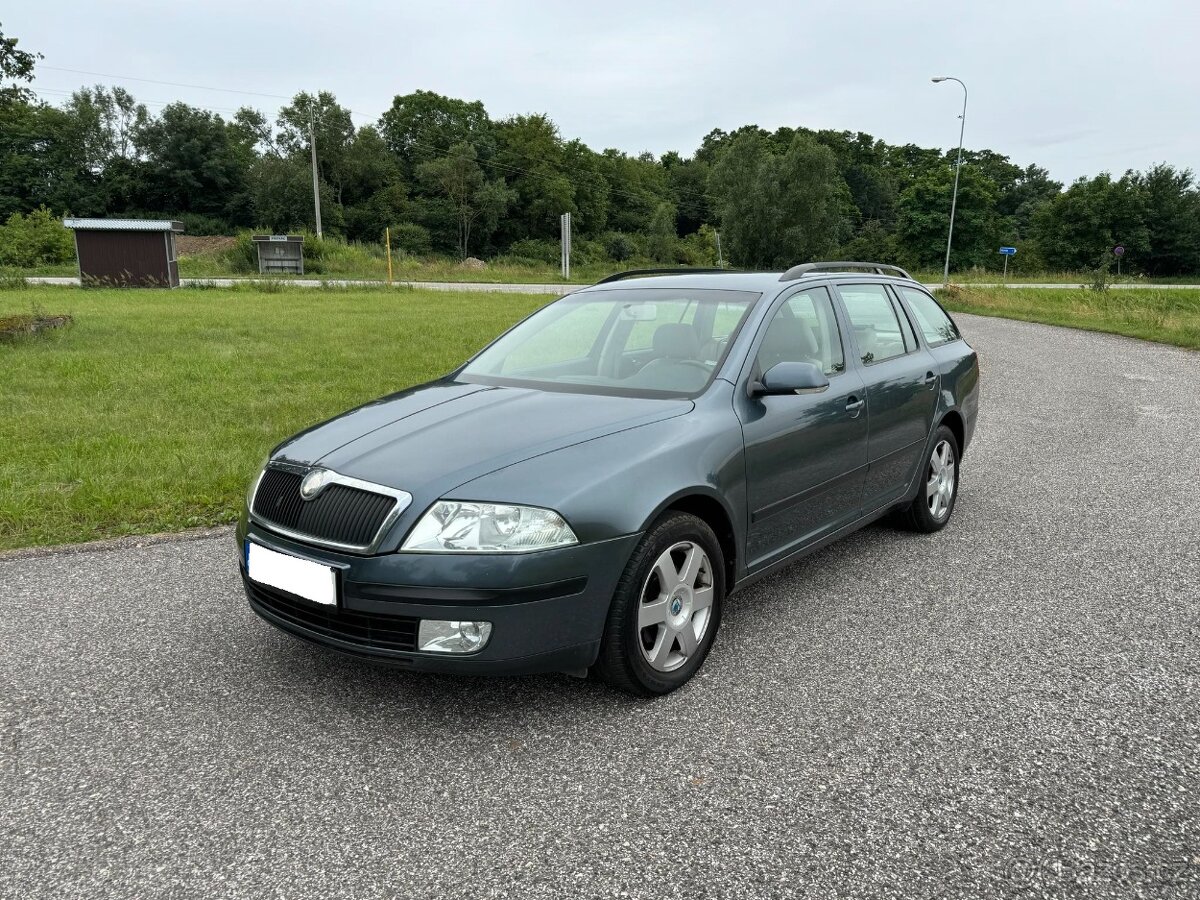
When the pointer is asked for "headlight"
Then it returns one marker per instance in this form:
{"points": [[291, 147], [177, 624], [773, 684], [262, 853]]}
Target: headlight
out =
{"points": [[454, 527]]}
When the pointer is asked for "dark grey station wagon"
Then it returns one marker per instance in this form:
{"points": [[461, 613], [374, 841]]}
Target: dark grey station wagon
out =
{"points": [[587, 492]]}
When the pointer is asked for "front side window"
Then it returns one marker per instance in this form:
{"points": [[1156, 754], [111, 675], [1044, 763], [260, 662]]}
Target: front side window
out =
{"points": [[804, 329], [876, 328], [937, 327], [652, 342]]}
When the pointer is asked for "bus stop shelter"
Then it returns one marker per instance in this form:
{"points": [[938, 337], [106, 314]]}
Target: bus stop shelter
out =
{"points": [[126, 252]]}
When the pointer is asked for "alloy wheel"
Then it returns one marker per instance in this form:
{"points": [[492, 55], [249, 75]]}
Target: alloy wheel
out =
{"points": [[676, 606], [939, 488]]}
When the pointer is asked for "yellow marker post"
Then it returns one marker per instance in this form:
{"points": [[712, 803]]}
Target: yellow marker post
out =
{"points": [[387, 239]]}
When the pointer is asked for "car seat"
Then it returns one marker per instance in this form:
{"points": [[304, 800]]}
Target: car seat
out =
{"points": [[788, 340]]}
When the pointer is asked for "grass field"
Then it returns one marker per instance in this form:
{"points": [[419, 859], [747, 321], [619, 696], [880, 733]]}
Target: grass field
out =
{"points": [[152, 411], [1167, 316]]}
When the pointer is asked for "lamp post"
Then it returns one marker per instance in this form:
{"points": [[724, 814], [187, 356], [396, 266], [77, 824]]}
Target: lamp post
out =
{"points": [[957, 168]]}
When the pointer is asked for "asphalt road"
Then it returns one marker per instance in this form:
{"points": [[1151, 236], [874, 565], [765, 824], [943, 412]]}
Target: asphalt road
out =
{"points": [[1009, 708]]}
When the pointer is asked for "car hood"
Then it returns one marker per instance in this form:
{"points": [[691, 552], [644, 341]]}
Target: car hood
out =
{"points": [[446, 433]]}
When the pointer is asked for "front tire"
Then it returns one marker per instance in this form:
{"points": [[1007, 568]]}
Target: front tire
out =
{"points": [[931, 509], [666, 609]]}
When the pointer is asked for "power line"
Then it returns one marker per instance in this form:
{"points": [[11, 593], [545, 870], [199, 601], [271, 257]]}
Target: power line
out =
{"points": [[198, 87], [68, 94]]}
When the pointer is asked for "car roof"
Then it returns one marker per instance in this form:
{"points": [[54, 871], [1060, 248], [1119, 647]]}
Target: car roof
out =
{"points": [[765, 283]]}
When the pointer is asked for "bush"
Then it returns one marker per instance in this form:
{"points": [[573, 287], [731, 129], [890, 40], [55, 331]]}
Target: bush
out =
{"points": [[35, 239], [243, 256], [195, 223], [619, 246], [542, 251], [586, 252], [699, 248], [411, 238]]}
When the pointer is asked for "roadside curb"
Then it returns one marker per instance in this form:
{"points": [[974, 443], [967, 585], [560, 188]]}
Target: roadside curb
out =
{"points": [[128, 542]]}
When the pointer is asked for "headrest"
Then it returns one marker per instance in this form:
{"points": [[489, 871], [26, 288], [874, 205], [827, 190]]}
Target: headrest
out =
{"points": [[789, 339], [677, 341]]}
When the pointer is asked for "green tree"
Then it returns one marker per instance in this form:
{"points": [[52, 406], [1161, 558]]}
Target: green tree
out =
{"points": [[1088, 219], [106, 121], [636, 187], [687, 180], [530, 156], [1033, 189], [374, 193], [592, 193], [1172, 216], [475, 201], [924, 217], [334, 130], [16, 66], [280, 194], [192, 164], [779, 210], [423, 126], [660, 234], [251, 134]]}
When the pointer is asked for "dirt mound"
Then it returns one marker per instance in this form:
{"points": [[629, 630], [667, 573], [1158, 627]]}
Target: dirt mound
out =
{"points": [[200, 244]]}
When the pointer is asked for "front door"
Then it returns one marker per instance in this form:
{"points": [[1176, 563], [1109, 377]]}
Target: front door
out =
{"points": [[806, 454], [901, 381]]}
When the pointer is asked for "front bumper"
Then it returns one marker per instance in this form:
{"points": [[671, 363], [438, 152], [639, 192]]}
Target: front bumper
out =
{"points": [[547, 609]]}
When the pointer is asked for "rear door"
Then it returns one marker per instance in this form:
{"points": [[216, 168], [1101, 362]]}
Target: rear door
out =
{"points": [[901, 382], [806, 454]]}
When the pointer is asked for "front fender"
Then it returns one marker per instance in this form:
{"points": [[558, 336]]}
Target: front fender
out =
{"points": [[618, 484]]}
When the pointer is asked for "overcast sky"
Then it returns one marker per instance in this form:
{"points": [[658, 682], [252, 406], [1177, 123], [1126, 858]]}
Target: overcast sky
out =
{"points": [[1078, 87]]}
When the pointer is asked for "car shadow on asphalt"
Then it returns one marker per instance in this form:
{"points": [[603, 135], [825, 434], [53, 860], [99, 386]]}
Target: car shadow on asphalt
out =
{"points": [[320, 678]]}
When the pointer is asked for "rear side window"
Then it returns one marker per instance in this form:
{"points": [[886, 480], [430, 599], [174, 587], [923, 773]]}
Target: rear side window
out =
{"points": [[876, 328], [931, 318]]}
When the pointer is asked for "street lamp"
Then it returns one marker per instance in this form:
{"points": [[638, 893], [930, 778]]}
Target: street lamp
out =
{"points": [[957, 168]]}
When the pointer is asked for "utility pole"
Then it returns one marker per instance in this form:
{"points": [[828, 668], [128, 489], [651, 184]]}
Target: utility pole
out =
{"points": [[720, 258], [312, 142]]}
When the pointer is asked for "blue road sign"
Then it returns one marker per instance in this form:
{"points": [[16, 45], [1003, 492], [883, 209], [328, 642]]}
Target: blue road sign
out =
{"points": [[1009, 251]]}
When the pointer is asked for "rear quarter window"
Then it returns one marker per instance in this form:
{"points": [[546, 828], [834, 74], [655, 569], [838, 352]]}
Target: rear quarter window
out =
{"points": [[937, 327]]}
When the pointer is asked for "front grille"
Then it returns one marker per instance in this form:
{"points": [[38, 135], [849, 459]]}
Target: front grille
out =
{"points": [[340, 514], [364, 629]]}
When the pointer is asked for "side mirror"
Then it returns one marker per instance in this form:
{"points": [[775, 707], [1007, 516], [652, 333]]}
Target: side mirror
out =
{"points": [[790, 378]]}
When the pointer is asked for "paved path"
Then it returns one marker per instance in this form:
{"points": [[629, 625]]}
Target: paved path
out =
{"points": [[530, 288], [1010, 708]]}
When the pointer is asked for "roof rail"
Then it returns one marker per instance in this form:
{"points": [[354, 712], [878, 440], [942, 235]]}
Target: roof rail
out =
{"points": [[814, 267], [636, 273]]}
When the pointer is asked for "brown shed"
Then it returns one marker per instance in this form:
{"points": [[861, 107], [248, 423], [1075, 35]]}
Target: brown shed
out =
{"points": [[126, 252]]}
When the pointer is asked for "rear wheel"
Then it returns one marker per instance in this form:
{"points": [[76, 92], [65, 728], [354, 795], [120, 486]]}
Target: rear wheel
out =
{"points": [[666, 609], [932, 507]]}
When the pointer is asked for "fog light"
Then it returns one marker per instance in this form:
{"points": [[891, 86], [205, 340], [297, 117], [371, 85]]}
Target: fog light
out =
{"points": [[438, 636]]}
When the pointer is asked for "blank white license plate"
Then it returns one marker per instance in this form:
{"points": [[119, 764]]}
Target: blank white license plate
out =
{"points": [[301, 577]]}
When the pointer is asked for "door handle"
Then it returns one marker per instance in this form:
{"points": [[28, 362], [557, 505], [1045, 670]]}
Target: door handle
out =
{"points": [[854, 406], [930, 379]]}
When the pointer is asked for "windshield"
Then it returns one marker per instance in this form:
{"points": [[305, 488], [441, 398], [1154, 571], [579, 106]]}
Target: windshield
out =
{"points": [[637, 342]]}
